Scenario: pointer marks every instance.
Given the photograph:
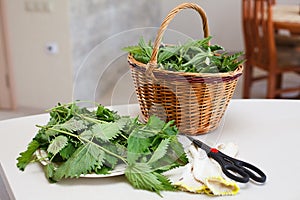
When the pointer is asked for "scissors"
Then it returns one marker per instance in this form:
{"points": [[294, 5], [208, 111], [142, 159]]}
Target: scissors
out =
{"points": [[235, 169]]}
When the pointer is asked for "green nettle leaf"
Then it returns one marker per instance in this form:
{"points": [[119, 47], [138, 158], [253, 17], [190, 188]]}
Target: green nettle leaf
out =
{"points": [[87, 135], [27, 156], [167, 52], [100, 157], [82, 161], [57, 144], [173, 157], [154, 123], [122, 122], [160, 151], [177, 151], [138, 145], [132, 49], [66, 152], [49, 171], [121, 149], [106, 131], [141, 176], [169, 129], [41, 137], [105, 114], [73, 125], [50, 132], [165, 182], [110, 161], [146, 47]]}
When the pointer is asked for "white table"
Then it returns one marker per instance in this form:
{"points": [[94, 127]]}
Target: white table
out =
{"points": [[267, 132]]}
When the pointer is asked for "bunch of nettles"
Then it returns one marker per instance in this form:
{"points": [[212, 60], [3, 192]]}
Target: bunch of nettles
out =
{"points": [[195, 56], [80, 141]]}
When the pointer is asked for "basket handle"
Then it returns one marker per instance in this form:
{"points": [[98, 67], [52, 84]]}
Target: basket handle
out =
{"points": [[153, 60]]}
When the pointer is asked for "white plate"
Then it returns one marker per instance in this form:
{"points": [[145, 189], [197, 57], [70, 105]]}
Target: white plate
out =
{"points": [[119, 169]]}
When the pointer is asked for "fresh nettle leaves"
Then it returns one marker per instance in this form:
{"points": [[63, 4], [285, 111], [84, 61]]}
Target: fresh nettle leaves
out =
{"points": [[79, 141], [195, 56]]}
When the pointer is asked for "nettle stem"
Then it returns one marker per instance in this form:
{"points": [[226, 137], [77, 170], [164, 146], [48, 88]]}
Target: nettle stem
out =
{"points": [[91, 142], [93, 120]]}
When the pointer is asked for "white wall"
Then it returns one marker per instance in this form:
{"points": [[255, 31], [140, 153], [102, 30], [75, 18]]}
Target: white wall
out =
{"points": [[99, 31], [41, 79]]}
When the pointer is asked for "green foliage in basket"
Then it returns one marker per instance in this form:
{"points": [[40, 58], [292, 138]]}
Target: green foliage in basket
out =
{"points": [[195, 56]]}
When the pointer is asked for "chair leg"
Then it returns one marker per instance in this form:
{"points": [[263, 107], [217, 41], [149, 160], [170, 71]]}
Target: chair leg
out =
{"points": [[278, 81], [278, 84], [247, 81], [271, 85]]}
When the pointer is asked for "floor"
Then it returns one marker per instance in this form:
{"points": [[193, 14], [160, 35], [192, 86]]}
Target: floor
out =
{"points": [[258, 91]]}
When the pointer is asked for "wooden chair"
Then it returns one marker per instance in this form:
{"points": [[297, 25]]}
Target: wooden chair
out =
{"points": [[266, 50]]}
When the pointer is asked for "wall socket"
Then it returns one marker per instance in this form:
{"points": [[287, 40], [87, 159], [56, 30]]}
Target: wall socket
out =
{"points": [[52, 48], [38, 6]]}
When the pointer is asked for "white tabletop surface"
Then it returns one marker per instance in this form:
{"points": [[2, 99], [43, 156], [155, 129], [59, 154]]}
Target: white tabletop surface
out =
{"points": [[266, 131]]}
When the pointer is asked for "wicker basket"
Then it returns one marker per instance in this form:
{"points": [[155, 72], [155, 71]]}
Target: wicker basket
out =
{"points": [[196, 101]]}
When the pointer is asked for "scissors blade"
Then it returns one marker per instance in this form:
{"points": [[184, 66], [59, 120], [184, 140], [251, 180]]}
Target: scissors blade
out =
{"points": [[200, 144]]}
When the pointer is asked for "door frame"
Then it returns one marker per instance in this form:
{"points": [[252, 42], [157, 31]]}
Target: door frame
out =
{"points": [[7, 88]]}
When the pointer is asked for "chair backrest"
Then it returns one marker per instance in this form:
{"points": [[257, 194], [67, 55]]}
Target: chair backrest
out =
{"points": [[259, 33]]}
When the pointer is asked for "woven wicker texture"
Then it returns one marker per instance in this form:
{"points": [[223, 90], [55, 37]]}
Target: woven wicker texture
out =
{"points": [[196, 101]]}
